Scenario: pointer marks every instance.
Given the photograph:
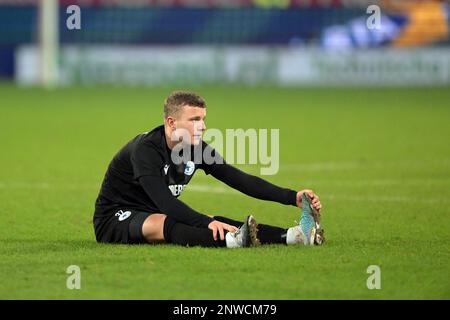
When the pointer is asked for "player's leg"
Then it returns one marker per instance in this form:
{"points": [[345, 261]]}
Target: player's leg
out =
{"points": [[120, 226], [129, 226], [309, 226], [308, 232], [185, 235], [266, 234], [160, 228], [153, 228]]}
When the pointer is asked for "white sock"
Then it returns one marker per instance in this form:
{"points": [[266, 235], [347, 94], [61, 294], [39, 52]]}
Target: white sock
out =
{"points": [[294, 236], [231, 240]]}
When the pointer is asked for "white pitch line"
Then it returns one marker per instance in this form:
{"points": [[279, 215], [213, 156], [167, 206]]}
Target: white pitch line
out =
{"points": [[205, 188], [379, 182], [351, 165], [382, 198], [334, 197], [208, 189]]}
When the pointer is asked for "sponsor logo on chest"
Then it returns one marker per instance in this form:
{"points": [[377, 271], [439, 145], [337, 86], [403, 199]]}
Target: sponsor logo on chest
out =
{"points": [[176, 189]]}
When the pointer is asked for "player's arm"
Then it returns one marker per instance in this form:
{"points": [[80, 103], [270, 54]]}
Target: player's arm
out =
{"points": [[259, 188], [147, 165], [253, 186], [157, 189]]}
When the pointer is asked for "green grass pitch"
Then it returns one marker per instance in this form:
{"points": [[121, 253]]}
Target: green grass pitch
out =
{"points": [[378, 158]]}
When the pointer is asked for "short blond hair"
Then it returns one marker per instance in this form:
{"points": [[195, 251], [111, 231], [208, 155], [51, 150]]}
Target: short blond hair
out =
{"points": [[177, 99]]}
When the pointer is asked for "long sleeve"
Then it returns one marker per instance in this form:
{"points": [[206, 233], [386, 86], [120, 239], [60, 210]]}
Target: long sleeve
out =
{"points": [[156, 188], [251, 185]]}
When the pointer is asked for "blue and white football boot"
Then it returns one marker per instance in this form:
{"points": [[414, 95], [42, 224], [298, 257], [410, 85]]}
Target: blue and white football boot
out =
{"points": [[310, 223]]}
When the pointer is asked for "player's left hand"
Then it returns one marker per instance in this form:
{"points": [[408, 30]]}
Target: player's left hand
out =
{"points": [[314, 199]]}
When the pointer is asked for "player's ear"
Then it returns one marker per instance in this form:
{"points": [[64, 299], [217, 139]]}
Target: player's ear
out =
{"points": [[170, 122]]}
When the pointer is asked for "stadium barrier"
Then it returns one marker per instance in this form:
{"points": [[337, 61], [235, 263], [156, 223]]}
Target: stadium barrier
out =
{"points": [[152, 66]]}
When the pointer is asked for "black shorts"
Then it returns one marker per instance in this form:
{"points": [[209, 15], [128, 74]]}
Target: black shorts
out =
{"points": [[121, 226]]}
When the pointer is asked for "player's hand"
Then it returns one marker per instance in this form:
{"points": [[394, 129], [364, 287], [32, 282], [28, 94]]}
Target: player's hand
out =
{"points": [[217, 226], [314, 199]]}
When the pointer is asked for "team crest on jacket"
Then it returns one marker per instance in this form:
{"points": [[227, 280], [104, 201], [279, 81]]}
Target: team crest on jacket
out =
{"points": [[189, 169]]}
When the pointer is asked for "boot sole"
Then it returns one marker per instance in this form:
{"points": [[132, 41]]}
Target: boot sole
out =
{"points": [[319, 231], [253, 232], [315, 213]]}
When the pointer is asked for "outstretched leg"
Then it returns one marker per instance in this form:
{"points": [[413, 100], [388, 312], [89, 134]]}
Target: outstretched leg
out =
{"points": [[266, 234], [185, 235], [308, 232], [161, 228]]}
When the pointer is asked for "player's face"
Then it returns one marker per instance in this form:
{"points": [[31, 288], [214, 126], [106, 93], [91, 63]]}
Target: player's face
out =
{"points": [[192, 119]]}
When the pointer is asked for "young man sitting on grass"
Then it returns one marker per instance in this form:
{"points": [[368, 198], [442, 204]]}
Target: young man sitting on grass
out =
{"points": [[137, 202]]}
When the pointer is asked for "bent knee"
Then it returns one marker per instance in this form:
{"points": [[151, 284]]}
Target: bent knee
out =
{"points": [[153, 227]]}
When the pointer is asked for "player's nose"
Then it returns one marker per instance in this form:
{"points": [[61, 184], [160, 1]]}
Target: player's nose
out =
{"points": [[202, 126]]}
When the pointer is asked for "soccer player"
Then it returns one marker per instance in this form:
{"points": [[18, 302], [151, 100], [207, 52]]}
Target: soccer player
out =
{"points": [[137, 202]]}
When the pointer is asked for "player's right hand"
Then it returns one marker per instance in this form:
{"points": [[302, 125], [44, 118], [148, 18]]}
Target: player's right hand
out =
{"points": [[314, 199], [217, 226]]}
